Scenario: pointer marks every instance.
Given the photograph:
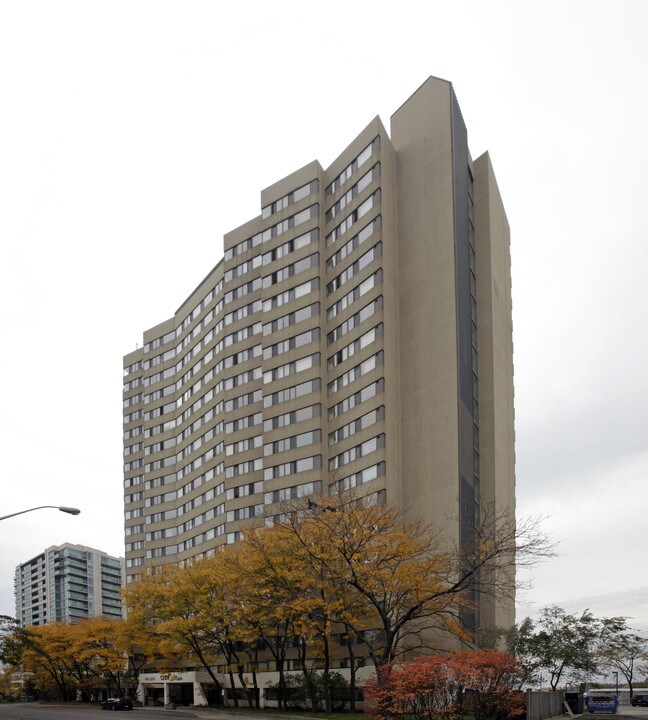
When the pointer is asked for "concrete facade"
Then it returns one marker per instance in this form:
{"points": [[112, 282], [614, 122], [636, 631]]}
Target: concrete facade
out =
{"points": [[355, 335]]}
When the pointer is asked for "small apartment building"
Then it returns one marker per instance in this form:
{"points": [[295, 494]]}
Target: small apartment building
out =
{"points": [[67, 583]]}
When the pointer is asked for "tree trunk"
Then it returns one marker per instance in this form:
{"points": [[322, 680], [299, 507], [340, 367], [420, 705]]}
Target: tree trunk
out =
{"points": [[232, 686], [281, 695], [255, 685], [244, 685], [210, 672], [308, 676], [253, 658], [328, 699], [352, 674]]}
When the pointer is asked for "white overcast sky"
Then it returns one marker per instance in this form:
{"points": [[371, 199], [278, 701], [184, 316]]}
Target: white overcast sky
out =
{"points": [[133, 135]]}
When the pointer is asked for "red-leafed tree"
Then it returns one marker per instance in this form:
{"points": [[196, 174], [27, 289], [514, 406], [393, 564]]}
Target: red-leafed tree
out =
{"points": [[421, 688], [490, 679], [446, 687]]}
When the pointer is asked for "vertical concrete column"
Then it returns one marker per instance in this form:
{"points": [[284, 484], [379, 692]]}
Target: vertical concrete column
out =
{"points": [[199, 696]]}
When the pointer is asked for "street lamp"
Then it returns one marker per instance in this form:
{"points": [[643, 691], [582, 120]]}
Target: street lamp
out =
{"points": [[69, 510], [616, 676]]}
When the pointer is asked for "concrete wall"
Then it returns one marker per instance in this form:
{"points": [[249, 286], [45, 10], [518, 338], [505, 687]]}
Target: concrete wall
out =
{"points": [[541, 705], [421, 135], [494, 334]]}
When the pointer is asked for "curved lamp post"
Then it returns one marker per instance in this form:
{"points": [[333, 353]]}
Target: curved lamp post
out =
{"points": [[69, 510]]}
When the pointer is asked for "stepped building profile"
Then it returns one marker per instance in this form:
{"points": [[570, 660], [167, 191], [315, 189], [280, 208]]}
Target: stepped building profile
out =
{"points": [[355, 335]]}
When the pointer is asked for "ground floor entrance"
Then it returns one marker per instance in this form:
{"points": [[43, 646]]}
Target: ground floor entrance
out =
{"points": [[182, 689]]}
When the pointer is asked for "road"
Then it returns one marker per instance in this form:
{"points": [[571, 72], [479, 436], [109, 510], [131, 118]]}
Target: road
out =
{"points": [[625, 712], [34, 711]]}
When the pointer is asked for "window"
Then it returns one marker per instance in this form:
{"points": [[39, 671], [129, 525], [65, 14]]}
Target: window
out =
{"points": [[352, 167], [289, 270], [292, 443], [291, 319], [242, 268], [244, 490], [290, 493], [354, 347], [290, 418], [242, 401], [354, 321], [269, 233], [244, 513], [135, 367], [355, 426], [292, 197], [291, 393], [353, 192], [130, 449], [354, 269], [159, 446], [290, 246], [291, 294], [292, 468], [291, 343], [353, 217], [355, 373], [353, 400], [159, 394], [132, 384], [243, 423], [133, 400], [353, 295], [243, 445], [243, 468], [356, 452], [355, 242], [291, 368], [131, 417]]}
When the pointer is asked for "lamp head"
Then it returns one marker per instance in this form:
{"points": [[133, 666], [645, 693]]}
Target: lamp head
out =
{"points": [[70, 510]]}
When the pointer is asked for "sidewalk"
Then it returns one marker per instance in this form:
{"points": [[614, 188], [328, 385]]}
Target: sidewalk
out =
{"points": [[214, 713], [224, 714]]}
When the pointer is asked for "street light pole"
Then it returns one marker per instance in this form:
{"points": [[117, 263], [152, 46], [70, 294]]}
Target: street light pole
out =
{"points": [[69, 510], [616, 676]]}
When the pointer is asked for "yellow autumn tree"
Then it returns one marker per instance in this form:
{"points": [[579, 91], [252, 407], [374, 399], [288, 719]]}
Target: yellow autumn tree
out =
{"points": [[212, 585], [104, 645], [67, 661], [287, 602], [48, 652], [397, 584], [331, 565], [383, 579], [188, 613]]}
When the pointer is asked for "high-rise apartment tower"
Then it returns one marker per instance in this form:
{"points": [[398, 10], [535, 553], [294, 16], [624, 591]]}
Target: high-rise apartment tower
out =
{"points": [[67, 583], [356, 334]]}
